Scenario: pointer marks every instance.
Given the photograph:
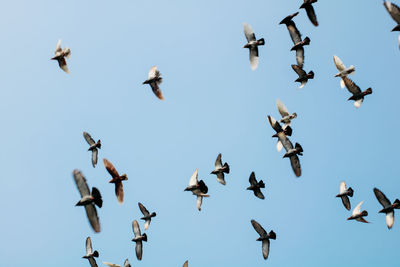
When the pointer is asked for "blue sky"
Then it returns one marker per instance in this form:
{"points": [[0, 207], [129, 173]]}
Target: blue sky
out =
{"points": [[214, 103]]}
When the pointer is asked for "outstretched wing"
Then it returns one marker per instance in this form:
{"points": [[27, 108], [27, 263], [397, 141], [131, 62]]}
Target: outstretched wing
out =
{"points": [[357, 209], [139, 250], [265, 248], [193, 179], [92, 262], [259, 229], [385, 202], [294, 32], [119, 191], [351, 86], [252, 179], [295, 163], [111, 264], [282, 108], [63, 64], [274, 124], [311, 14], [95, 153], [339, 64], [143, 209], [153, 73], [300, 56], [136, 228], [58, 47], [218, 162], [186, 264], [342, 187], [248, 32], [346, 202], [91, 213], [88, 138], [156, 89], [199, 201], [110, 168], [89, 249], [393, 10], [299, 70], [126, 263], [80, 182]]}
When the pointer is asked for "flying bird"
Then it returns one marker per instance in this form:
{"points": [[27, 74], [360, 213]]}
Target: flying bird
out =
{"points": [[343, 71], [358, 215], [358, 95], [220, 170], [88, 200], [303, 76], [116, 179], [307, 5], [344, 194], [252, 45], [94, 147], [394, 12], [290, 151], [154, 79], [60, 56], [138, 239], [197, 188], [90, 254], [126, 264], [146, 215], [286, 116], [256, 186], [186, 264], [264, 237], [388, 207]]}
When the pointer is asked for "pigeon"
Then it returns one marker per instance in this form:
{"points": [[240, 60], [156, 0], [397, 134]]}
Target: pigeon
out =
{"points": [[264, 237], [291, 152], [126, 264], [286, 116], [307, 5], [154, 79], [358, 214], [343, 71], [256, 186], [90, 254], [394, 12], [198, 188], [146, 215], [60, 56], [358, 95], [186, 264], [88, 200], [303, 76], [138, 239], [93, 147], [344, 194], [220, 170], [116, 179], [252, 45], [388, 207]]}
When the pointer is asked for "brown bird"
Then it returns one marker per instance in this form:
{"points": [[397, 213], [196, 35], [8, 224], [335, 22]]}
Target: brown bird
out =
{"points": [[116, 179], [358, 95], [60, 56], [154, 79], [307, 5]]}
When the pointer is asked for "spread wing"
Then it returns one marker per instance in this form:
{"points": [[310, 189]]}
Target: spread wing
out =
{"points": [[89, 249], [88, 138], [199, 201], [93, 218], [294, 32], [357, 209], [299, 70], [126, 263], [248, 32], [92, 262], [274, 124], [311, 14], [58, 47], [295, 162], [95, 153], [80, 182], [143, 209], [253, 56], [252, 179], [156, 89], [218, 162], [300, 56], [111, 264], [153, 73], [139, 250], [193, 179], [136, 228], [257, 193], [221, 178], [282, 108], [339, 64], [342, 187], [259, 229], [265, 248], [385, 202], [346, 202], [63, 64], [351, 86], [119, 191], [393, 10], [110, 168], [186, 264]]}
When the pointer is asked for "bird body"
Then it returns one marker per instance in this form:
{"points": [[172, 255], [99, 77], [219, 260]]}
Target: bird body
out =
{"points": [[303, 76], [343, 71], [147, 215], [358, 95], [264, 237]]}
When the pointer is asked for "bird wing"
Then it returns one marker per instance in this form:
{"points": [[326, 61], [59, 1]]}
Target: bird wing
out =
{"points": [[63, 64], [274, 124], [111, 264], [258, 193], [88, 138], [253, 57], [361, 219], [300, 56], [136, 228], [221, 178], [153, 73], [248, 32], [357, 209], [299, 70], [259, 229], [58, 47], [346, 202], [342, 187], [282, 108], [156, 89], [218, 162], [193, 179], [393, 10], [295, 163], [91, 213], [92, 262], [143, 209], [89, 249], [199, 201], [147, 224], [126, 263], [311, 14], [390, 219], [351, 86], [119, 191], [252, 179], [80, 182], [95, 153], [294, 32], [339, 64], [186, 264], [110, 168], [139, 250], [385, 202], [265, 248]]}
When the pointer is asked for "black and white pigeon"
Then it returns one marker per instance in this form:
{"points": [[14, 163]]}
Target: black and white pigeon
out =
{"points": [[388, 207], [88, 200], [138, 239], [307, 5], [303, 76], [358, 95], [252, 45], [146, 215], [60, 56], [126, 264], [344, 194], [264, 237], [154, 79], [343, 71], [220, 169], [358, 215], [286, 116], [94, 147], [90, 254], [256, 186], [198, 188]]}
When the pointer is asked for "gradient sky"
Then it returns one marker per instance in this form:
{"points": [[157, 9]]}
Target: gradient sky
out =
{"points": [[214, 103]]}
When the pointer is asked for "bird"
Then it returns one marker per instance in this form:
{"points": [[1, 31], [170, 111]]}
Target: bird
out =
{"points": [[394, 12], [116, 179], [94, 147], [60, 56], [186, 264], [307, 5], [358, 215], [344, 194], [256, 186], [303, 76], [287, 144], [264, 237], [358, 95], [88, 200], [146, 215], [154, 79], [343, 71], [90, 254], [286, 116], [138, 239], [126, 264], [198, 188], [388, 207], [252, 45], [220, 170]]}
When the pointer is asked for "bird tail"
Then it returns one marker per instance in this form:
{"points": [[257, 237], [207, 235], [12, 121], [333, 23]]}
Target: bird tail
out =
{"points": [[368, 91], [350, 191], [306, 41], [272, 235], [154, 214], [98, 144], [397, 201], [145, 237], [364, 213], [310, 75], [67, 52], [261, 184], [288, 131], [298, 147], [226, 167], [96, 254], [261, 42], [97, 197]]}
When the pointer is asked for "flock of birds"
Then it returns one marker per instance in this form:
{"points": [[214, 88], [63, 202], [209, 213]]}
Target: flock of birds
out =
{"points": [[92, 198]]}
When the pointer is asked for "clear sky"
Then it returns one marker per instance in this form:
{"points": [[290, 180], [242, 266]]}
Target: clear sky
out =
{"points": [[214, 103]]}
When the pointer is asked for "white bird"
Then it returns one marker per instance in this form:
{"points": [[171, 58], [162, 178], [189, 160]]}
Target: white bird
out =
{"points": [[343, 71], [60, 56], [198, 188], [358, 214]]}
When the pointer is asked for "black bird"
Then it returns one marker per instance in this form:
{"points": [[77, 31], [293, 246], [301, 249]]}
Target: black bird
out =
{"points": [[303, 76], [138, 239], [93, 147], [264, 237], [146, 215], [256, 186], [358, 95], [344, 194], [90, 254], [252, 45], [388, 207], [220, 169], [307, 5]]}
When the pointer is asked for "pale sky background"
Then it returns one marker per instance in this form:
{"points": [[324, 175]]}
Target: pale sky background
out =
{"points": [[214, 103]]}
